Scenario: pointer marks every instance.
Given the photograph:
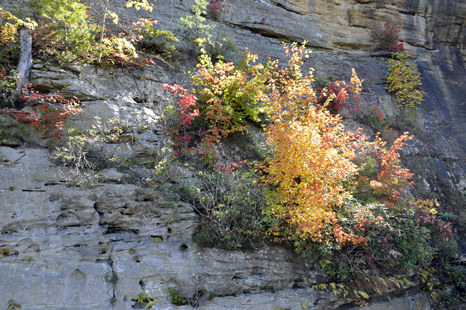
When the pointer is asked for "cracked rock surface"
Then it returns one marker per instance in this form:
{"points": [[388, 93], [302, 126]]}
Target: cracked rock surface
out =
{"points": [[65, 240]]}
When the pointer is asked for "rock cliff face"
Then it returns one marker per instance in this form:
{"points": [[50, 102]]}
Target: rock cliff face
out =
{"points": [[80, 237]]}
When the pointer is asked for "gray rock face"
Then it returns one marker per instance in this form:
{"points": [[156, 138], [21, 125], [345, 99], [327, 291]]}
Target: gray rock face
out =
{"points": [[77, 236], [415, 302], [64, 241]]}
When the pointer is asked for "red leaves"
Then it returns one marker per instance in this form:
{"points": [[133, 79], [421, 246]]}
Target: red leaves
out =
{"points": [[150, 61], [335, 96], [175, 89], [215, 7], [390, 182], [48, 117], [387, 39], [427, 213]]}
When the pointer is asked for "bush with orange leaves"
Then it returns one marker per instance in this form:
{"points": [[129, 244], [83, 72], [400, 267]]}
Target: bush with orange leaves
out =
{"points": [[333, 191], [313, 154]]}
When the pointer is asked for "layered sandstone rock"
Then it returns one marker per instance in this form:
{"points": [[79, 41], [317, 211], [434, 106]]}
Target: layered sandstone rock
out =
{"points": [[78, 236]]}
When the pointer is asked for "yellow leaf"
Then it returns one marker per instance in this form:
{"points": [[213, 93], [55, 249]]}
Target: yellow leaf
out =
{"points": [[364, 294]]}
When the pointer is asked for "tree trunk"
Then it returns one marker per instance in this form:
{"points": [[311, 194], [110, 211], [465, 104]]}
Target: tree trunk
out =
{"points": [[25, 61]]}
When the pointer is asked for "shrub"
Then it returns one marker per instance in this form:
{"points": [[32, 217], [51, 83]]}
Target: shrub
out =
{"points": [[11, 129], [9, 55], [392, 239], [50, 112], [332, 192], [334, 95], [175, 295], [193, 27], [228, 95], [9, 35], [385, 180], [375, 117], [312, 153], [387, 40], [223, 47], [195, 30], [88, 151], [70, 33], [216, 7], [459, 275], [231, 206], [404, 80], [155, 39], [69, 21], [224, 98]]}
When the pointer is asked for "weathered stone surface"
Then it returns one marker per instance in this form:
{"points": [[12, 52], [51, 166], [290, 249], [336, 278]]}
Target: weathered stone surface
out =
{"points": [[78, 236], [50, 284], [417, 302]]}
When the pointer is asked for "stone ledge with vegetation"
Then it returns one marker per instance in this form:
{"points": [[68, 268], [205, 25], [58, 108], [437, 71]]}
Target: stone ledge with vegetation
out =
{"points": [[132, 178]]}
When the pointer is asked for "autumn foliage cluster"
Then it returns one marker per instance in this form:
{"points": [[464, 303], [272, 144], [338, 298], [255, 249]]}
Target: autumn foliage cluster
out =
{"points": [[224, 98], [321, 188], [328, 189], [49, 112], [387, 39], [404, 79], [313, 154], [331, 188]]}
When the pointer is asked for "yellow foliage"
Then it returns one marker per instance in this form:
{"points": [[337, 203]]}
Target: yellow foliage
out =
{"points": [[404, 79], [364, 294], [313, 154]]}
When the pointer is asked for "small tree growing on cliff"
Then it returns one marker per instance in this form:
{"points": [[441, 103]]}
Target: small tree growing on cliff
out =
{"points": [[387, 40], [71, 34]]}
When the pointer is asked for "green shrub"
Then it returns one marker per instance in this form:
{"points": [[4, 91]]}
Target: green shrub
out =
{"points": [[224, 98], [395, 240], [223, 47], [71, 34], [85, 151], [162, 41], [70, 23], [194, 27], [338, 271], [11, 129], [321, 82], [234, 90], [175, 295], [231, 209], [450, 302], [458, 273]]}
